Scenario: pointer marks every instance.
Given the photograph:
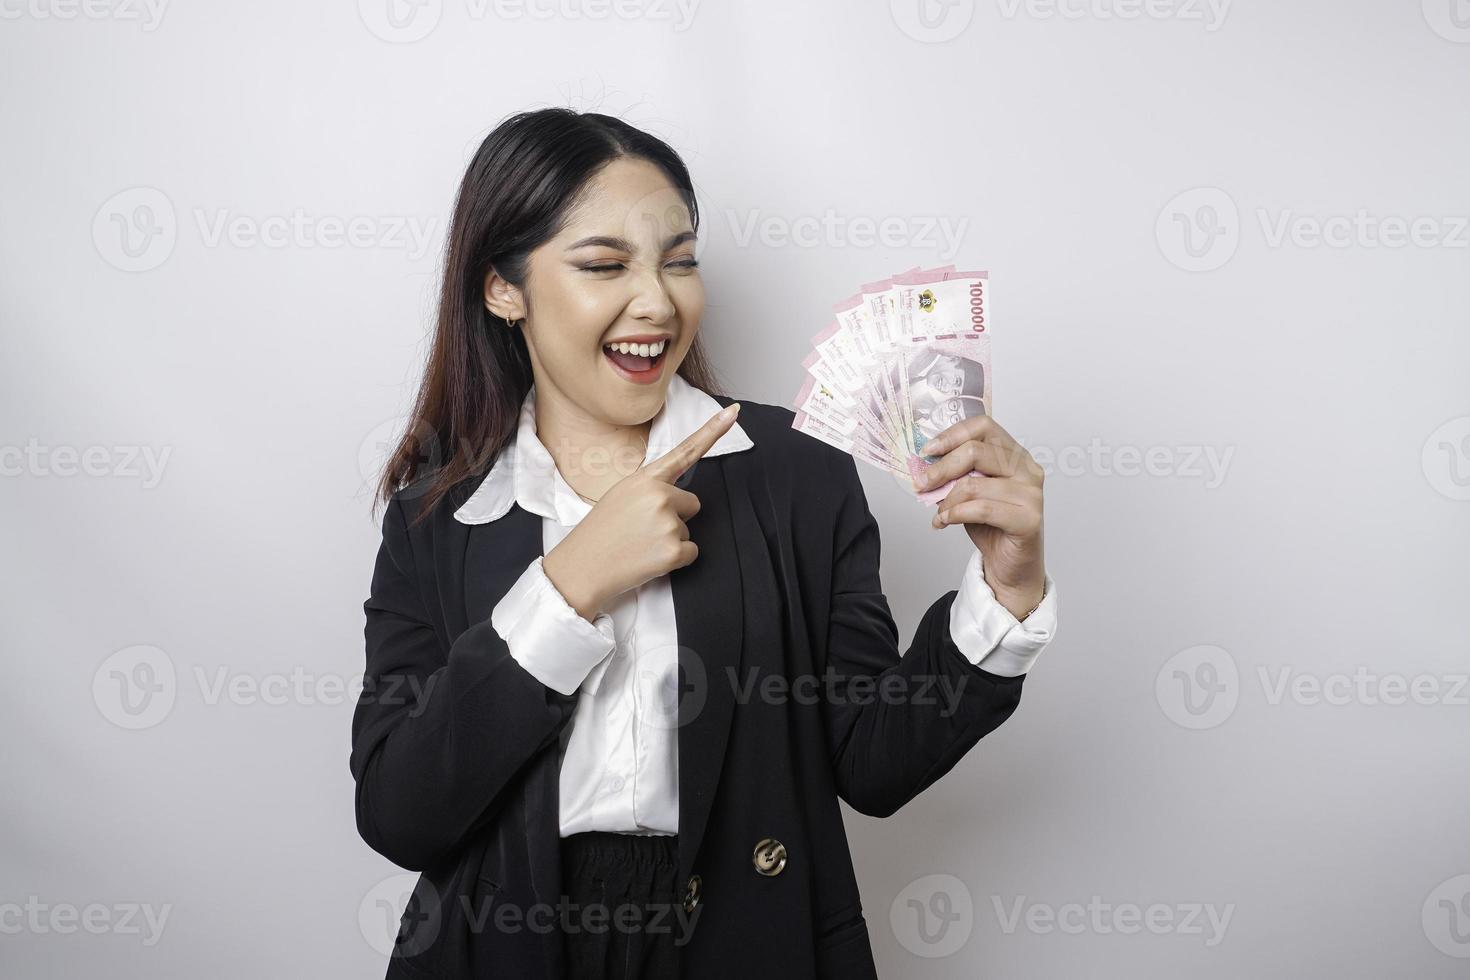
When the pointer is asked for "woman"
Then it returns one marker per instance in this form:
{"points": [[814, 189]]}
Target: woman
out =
{"points": [[626, 643]]}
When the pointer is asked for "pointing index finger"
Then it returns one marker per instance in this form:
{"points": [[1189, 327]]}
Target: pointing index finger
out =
{"points": [[673, 463]]}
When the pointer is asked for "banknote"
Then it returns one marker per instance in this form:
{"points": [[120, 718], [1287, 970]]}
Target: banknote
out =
{"points": [[902, 359], [826, 414]]}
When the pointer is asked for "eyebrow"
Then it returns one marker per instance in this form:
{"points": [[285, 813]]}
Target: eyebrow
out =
{"points": [[623, 245]]}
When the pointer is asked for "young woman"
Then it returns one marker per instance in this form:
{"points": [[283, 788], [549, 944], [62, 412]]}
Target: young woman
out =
{"points": [[626, 644]]}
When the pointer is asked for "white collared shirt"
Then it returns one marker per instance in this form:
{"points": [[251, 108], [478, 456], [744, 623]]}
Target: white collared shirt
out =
{"points": [[619, 771]]}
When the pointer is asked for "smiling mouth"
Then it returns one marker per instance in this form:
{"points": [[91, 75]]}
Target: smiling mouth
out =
{"points": [[639, 363]]}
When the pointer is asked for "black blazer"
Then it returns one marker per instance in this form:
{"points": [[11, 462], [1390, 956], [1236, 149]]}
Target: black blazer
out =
{"points": [[455, 747]]}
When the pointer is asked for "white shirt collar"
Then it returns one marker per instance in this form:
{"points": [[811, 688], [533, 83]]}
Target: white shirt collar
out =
{"points": [[524, 472]]}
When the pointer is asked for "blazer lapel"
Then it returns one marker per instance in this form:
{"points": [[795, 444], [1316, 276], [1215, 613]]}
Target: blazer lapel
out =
{"points": [[709, 610], [493, 556]]}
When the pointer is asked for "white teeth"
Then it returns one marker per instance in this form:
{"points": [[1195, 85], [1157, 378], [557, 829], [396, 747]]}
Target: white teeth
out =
{"points": [[644, 350]]}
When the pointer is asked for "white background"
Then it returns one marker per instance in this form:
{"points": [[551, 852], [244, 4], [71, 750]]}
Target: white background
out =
{"points": [[1142, 182]]}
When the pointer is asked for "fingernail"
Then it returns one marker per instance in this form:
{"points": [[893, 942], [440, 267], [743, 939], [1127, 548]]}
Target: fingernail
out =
{"points": [[943, 518], [729, 413]]}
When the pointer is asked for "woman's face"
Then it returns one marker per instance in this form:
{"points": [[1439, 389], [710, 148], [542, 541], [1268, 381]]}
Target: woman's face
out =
{"points": [[623, 269]]}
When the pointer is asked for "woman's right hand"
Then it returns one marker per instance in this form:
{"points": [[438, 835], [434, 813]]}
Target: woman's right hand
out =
{"points": [[636, 531]]}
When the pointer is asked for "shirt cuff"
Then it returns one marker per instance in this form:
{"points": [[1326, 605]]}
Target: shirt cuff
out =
{"points": [[989, 635], [547, 637]]}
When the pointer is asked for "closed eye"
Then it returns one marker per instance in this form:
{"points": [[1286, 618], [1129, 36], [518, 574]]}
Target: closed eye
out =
{"points": [[617, 266]]}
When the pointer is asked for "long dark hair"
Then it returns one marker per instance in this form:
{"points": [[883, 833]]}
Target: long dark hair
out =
{"points": [[515, 195]]}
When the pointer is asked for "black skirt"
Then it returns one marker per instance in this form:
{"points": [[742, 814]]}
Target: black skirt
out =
{"points": [[625, 918]]}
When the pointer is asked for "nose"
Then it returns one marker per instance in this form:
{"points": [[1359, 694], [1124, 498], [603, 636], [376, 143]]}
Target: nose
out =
{"points": [[650, 300]]}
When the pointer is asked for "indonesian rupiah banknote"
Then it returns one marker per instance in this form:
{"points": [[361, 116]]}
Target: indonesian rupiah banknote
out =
{"points": [[902, 360]]}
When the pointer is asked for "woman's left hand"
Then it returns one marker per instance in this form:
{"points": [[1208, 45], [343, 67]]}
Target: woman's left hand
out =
{"points": [[999, 502]]}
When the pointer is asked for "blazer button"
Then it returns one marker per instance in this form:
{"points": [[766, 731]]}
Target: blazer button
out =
{"points": [[770, 856], [691, 893]]}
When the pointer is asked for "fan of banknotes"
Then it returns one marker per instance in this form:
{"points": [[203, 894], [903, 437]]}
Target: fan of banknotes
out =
{"points": [[902, 360]]}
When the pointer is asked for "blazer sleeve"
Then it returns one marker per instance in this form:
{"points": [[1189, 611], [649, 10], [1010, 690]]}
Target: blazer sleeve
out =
{"points": [[438, 738], [894, 724]]}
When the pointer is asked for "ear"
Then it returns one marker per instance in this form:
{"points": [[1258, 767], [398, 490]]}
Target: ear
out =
{"points": [[503, 299]]}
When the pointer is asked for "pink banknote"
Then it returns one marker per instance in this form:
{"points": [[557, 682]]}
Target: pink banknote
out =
{"points": [[903, 359]]}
